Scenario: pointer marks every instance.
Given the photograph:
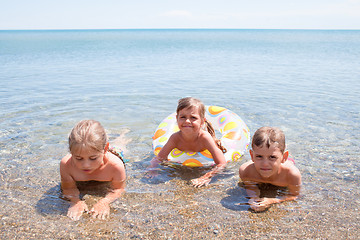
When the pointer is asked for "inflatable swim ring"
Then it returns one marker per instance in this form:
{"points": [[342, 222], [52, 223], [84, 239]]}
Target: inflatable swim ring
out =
{"points": [[235, 137]]}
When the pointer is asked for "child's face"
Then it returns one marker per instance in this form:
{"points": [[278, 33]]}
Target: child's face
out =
{"points": [[267, 161], [189, 120], [88, 160]]}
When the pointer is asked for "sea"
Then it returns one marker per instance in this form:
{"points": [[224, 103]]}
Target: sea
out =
{"points": [[306, 82]]}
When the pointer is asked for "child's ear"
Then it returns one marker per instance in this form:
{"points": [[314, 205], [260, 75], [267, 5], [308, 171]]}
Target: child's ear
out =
{"points": [[106, 147], [204, 123], [285, 156], [105, 159], [251, 154]]}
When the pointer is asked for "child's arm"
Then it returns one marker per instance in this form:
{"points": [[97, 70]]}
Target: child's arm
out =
{"points": [[71, 192], [162, 156], [101, 209], [206, 178], [77, 207], [293, 185], [253, 192], [247, 172], [219, 160], [260, 204]]}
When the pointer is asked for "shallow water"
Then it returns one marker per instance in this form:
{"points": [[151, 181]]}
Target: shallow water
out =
{"points": [[305, 82]]}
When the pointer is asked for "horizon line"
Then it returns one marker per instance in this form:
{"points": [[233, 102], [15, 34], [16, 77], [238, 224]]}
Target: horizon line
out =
{"points": [[109, 29]]}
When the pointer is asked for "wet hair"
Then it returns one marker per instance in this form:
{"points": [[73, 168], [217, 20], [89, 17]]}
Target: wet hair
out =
{"points": [[267, 136], [88, 134], [190, 102]]}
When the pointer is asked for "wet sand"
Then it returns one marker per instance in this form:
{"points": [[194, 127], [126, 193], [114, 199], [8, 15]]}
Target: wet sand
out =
{"points": [[170, 208]]}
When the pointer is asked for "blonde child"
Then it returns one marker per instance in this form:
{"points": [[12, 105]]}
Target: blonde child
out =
{"points": [[90, 159], [196, 134], [269, 164]]}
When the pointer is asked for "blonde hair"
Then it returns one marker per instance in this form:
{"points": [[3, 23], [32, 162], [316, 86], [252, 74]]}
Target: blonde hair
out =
{"points": [[87, 133], [267, 136], [190, 102]]}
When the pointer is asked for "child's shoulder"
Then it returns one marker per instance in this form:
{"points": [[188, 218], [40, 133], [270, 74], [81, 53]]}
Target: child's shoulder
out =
{"points": [[66, 159], [205, 134], [290, 166], [114, 161], [247, 169], [66, 167], [175, 137], [206, 138], [114, 168], [293, 173]]}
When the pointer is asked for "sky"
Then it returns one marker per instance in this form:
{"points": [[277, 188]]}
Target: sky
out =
{"points": [[159, 14]]}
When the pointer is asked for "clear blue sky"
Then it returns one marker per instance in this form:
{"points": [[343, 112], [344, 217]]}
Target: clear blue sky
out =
{"points": [[128, 14]]}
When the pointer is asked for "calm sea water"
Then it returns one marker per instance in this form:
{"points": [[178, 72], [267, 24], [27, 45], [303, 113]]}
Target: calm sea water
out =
{"points": [[305, 82]]}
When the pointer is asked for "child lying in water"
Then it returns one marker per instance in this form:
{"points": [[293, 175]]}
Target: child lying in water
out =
{"points": [[269, 164], [91, 159], [196, 134]]}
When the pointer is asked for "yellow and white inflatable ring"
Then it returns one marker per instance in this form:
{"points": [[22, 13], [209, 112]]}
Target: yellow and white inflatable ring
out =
{"points": [[235, 137]]}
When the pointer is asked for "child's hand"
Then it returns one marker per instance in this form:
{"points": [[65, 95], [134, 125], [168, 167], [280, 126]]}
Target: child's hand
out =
{"points": [[261, 204], [76, 210], [151, 173], [101, 209], [201, 181], [152, 170], [255, 204]]}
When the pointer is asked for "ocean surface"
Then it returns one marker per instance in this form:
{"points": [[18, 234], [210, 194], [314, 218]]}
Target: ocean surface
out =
{"points": [[307, 82]]}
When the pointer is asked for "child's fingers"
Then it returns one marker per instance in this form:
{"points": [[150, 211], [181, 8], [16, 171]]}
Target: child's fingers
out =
{"points": [[152, 173], [94, 214], [74, 216], [75, 212], [105, 215], [256, 208], [195, 182], [102, 214], [259, 206], [77, 217], [198, 182]]}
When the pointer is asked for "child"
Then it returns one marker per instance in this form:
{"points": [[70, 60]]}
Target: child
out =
{"points": [[91, 159], [193, 138], [269, 164]]}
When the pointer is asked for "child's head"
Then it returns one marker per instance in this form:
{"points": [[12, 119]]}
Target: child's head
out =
{"points": [[268, 151], [87, 134], [190, 102], [266, 136]]}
